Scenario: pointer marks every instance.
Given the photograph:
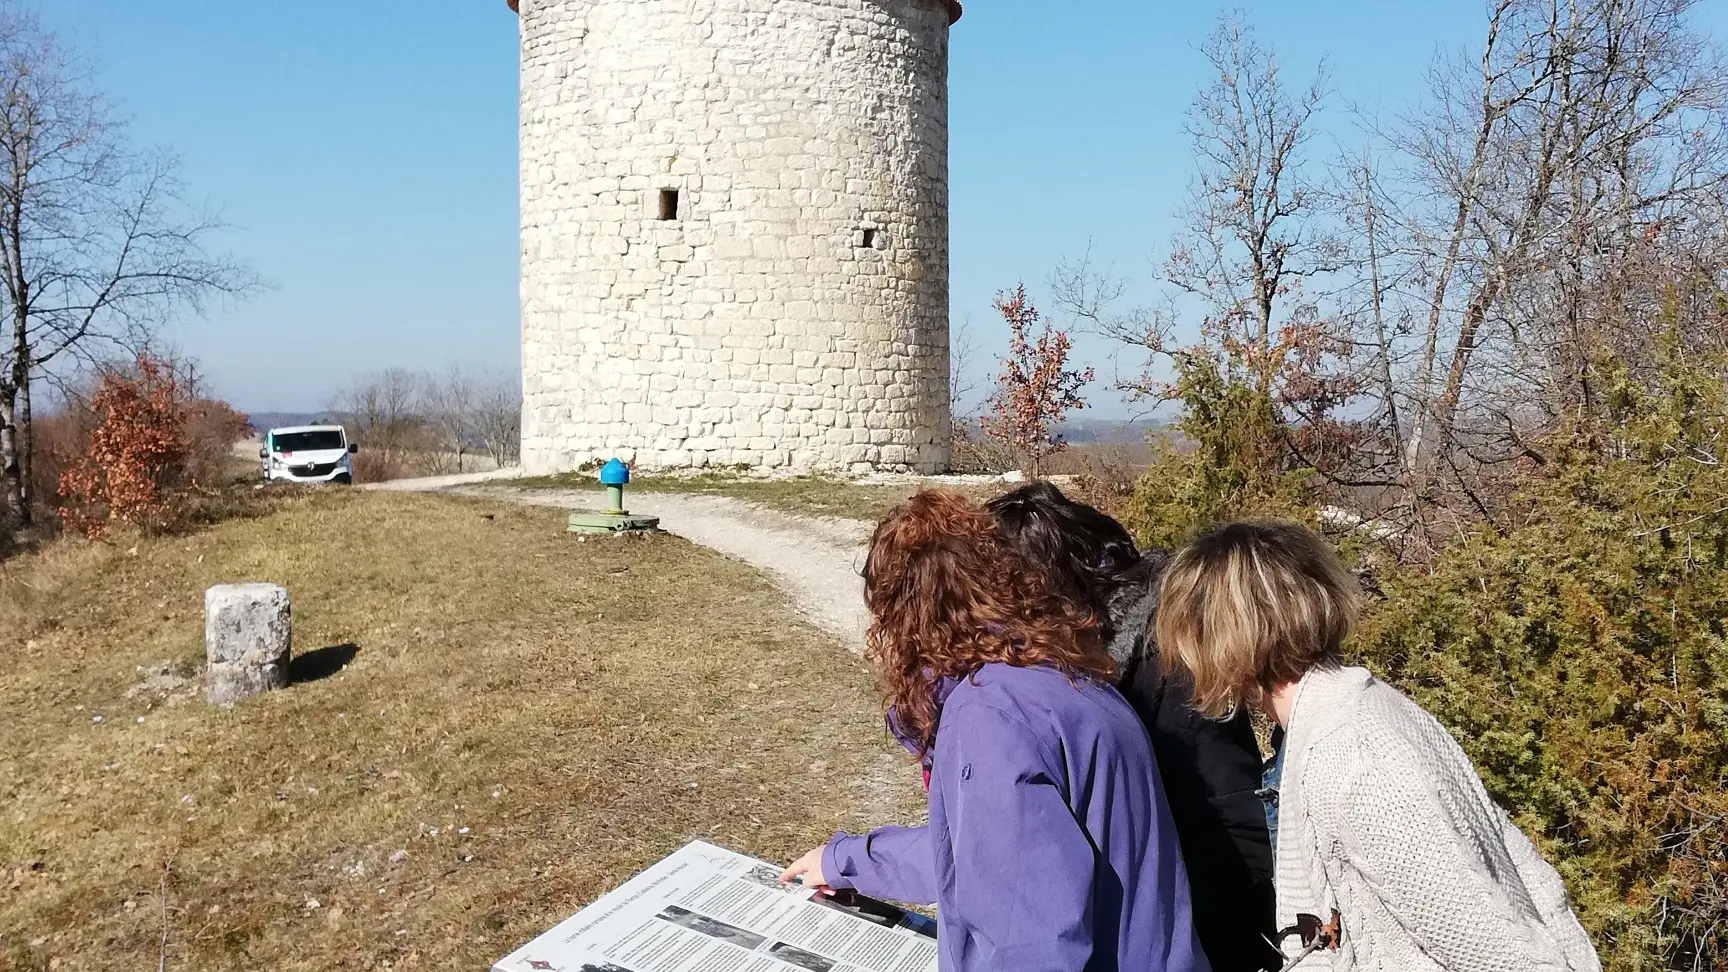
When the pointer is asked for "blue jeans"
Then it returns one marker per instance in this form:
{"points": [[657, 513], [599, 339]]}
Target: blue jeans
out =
{"points": [[1270, 777]]}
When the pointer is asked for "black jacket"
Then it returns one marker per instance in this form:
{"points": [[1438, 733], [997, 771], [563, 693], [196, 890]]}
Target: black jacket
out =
{"points": [[1211, 775]]}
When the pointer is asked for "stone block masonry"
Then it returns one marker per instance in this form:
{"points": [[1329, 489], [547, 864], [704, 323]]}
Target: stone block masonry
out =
{"points": [[735, 233], [248, 638]]}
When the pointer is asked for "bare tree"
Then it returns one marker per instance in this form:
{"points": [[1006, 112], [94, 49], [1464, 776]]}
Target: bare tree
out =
{"points": [[1253, 228], [1583, 126], [449, 406], [382, 414], [96, 248], [1368, 315], [481, 408], [497, 415], [963, 382]]}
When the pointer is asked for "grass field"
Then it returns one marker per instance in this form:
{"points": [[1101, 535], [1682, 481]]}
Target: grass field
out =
{"points": [[522, 722]]}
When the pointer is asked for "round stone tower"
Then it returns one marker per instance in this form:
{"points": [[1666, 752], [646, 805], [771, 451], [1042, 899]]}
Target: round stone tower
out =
{"points": [[735, 233]]}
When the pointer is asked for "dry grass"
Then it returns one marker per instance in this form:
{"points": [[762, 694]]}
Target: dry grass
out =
{"points": [[822, 496], [530, 718]]}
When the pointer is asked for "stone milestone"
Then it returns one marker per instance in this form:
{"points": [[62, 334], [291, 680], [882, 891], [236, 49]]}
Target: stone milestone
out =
{"points": [[247, 641], [735, 233]]}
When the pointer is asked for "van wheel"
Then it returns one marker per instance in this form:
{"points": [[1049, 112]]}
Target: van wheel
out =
{"points": [[344, 480]]}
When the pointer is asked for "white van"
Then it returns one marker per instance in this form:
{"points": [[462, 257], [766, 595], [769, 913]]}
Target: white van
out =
{"points": [[307, 454]]}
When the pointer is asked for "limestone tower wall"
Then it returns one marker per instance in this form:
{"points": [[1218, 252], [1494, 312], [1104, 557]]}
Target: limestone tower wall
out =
{"points": [[735, 233]]}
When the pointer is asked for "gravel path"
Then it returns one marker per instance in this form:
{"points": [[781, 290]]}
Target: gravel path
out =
{"points": [[815, 560]]}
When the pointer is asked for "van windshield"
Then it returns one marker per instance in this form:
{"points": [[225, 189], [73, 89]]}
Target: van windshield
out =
{"points": [[319, 441]]}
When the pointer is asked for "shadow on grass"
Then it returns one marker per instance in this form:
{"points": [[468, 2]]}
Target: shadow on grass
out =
{"points": [[321, 664]]}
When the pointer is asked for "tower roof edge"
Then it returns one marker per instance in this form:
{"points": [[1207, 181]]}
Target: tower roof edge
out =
{"points": [[954, 9]]}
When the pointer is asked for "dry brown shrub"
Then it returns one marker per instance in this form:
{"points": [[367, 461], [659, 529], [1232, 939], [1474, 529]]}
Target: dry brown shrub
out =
{"points": [[147, 448]]}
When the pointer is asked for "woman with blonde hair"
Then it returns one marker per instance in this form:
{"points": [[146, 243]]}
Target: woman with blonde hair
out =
{"points": [[1390, 855], [1049, 846]]}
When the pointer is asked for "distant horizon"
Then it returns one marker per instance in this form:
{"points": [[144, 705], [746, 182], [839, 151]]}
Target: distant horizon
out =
{"points": [[1091, 424]]}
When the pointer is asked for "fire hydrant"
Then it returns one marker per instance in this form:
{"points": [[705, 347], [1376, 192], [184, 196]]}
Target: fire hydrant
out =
{"points": [[614, 476]]}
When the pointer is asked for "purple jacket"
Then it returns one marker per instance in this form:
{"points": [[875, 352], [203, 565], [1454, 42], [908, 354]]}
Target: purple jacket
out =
{"points": [[1049, 847]]}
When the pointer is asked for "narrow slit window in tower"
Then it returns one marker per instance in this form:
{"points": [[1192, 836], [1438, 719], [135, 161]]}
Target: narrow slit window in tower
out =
{"points": [[668, 204], [869, 238]]}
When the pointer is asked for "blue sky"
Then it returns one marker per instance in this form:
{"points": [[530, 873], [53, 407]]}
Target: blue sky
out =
{"points": [[364, 155]]}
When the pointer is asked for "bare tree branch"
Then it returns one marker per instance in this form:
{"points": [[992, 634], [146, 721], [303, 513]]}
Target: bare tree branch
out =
{"points": [[97, 248]]}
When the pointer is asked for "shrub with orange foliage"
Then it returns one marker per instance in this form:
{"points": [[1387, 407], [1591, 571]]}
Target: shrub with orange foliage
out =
{"points": [[152, 435], [1036, 388]]}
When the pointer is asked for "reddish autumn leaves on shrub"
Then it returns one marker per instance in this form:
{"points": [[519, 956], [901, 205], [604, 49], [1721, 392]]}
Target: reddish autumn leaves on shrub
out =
{"points": [[152, 436], [1036, 388]]}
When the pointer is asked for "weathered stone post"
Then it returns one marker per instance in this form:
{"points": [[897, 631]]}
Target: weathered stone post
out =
{"points": [[247, 640]]}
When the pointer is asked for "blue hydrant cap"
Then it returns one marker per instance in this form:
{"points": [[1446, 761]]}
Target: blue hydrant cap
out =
{"points": [[614, 473]]}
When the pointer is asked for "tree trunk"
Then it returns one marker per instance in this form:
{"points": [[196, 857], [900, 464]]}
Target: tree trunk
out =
{"points": [[1446, 409], [1467, 190], [19, 455], [1383, 342], [14, 514], [26, 443]]}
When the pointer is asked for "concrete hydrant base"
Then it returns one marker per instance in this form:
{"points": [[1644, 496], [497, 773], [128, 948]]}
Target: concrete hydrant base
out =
{"points": [[612, 523]]}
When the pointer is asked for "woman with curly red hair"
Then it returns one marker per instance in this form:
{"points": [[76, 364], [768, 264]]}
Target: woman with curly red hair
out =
{"points": [[1049, 845]]}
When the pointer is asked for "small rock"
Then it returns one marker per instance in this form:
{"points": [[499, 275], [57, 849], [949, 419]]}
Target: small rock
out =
{"points": [[130, 905], [467, 858], [398, 857], [159, 682], [462, 830], [312, 904], [140, 720], [95, 719]]}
